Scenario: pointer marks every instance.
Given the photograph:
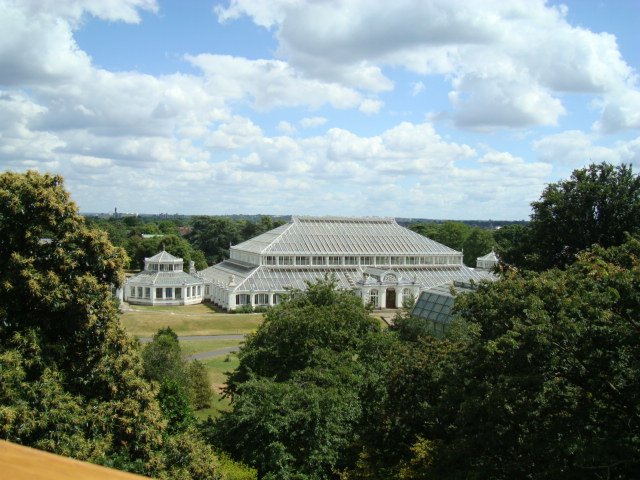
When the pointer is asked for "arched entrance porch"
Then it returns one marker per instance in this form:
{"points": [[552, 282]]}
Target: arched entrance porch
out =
{"points": [[391, 298]]}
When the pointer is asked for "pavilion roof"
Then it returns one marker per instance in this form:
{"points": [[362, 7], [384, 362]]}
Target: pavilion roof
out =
{"points": [[154, 278], [491, 256], [163, 257]]}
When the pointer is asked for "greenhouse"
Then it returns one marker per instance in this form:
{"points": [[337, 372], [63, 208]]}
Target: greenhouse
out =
{"points": [[163, 282], [488, 262], [435, 305], [382, 262]]}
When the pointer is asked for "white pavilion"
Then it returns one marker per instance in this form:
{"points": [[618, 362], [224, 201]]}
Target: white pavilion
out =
{"points": [[376, 258], [163, 282], [488, 261]]}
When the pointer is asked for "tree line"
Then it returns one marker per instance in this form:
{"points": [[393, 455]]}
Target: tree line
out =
{"points": [[536, 378], [72, 381], [205, 240]]}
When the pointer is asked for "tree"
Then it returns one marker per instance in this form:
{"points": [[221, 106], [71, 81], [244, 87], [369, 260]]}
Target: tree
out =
{"points": [[199, 385], [474, 241], [547, 388], [307, 385], [320, 317], [214, 235], [479, 242], [449, 233], [71, 379], [162, 357], [175, 403], [139, 249], [60, 333], [595, 206], [513, 244], [537, 380]]}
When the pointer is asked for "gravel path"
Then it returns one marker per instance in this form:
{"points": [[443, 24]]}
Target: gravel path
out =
{"points": [[187, 338], [211, 353]]}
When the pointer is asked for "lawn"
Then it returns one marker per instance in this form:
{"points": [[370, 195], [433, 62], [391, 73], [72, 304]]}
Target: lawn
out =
{"points": [[201, 319], [216, 368], [190, 347]]}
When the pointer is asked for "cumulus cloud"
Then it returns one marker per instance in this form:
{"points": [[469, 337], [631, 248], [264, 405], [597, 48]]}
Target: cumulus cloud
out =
{"points": [[576, 148], [286, 127], [311, 122], [270, 83], [189, 143], [518, 57], [370, 106]]}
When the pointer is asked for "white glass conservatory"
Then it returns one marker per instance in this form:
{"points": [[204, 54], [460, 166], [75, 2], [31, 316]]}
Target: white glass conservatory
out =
{"points": [[163, 282], [488, 261], [381, 261]]}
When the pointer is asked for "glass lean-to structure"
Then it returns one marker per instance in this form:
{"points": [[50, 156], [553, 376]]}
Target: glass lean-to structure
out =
{"points": [[379, 260]]}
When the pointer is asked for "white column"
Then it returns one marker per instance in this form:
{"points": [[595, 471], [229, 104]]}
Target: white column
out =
{"points": [[232, 301]]}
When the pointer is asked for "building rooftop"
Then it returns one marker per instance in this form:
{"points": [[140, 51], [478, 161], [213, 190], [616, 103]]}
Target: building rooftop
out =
{"points": [[436, 303], [343, 236], [491, 256], [164, 257], [163, 279]]}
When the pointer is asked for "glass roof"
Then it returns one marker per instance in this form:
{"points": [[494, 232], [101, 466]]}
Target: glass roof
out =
{"points": [[163, 257], [163, 279], [266, 279], [436, 303], [343, 236]]}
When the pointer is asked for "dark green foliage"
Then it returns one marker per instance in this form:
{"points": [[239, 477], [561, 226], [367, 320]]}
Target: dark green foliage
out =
{"points": [[478, 243], [71, 379], [163, 363], [308, 384], [596, 205], [474, 241], [538, 379], [199, 385], [214, 235], [320, 317], [554, 367], [175, 404], [293, 429], [451, 234], [513, 244], [163, 358], [548, 388]]}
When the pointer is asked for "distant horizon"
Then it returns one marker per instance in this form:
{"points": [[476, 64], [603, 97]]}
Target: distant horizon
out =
{"points": [[288, 216]]}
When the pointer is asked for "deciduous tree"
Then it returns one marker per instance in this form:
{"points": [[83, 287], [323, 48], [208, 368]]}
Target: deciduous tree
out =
{"points": [[71, 379], [597, 205]]}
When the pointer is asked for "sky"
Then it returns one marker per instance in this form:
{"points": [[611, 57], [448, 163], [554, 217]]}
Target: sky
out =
{"points": [[444, 109]]}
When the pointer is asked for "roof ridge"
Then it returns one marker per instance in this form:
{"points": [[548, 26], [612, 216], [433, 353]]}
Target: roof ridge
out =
{"points": [[289, 225]]}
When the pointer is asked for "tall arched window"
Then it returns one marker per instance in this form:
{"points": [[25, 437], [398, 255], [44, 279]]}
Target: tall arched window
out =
{"points": [[261, 299], [373, 297]]}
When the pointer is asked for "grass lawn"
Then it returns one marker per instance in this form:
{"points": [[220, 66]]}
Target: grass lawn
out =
{"points": [[191, 347], [216, 368], [201, 319]]}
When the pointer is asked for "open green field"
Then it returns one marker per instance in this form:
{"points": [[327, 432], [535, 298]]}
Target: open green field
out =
{"points": [[216, 368], [201, 319], [191, 347]]}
